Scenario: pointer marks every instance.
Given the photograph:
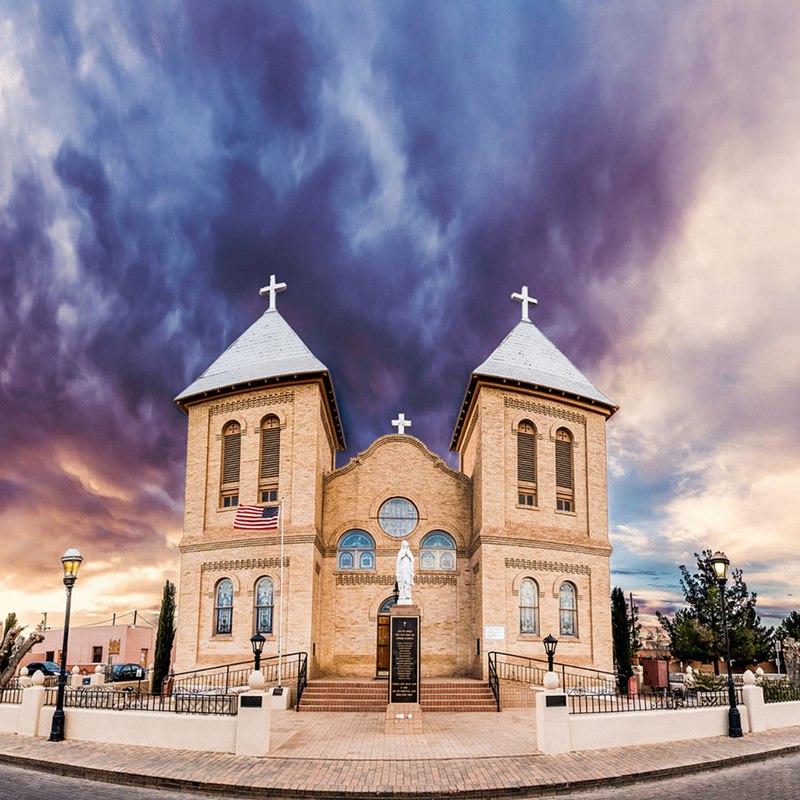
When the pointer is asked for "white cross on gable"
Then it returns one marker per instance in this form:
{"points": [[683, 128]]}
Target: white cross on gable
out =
{"points": [[526, 300], [401, 423], [272, 288]]}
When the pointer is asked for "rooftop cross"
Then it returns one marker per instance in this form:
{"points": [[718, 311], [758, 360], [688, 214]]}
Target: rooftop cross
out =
{"points": [[272, 289], [401, 423], [526, 300]]}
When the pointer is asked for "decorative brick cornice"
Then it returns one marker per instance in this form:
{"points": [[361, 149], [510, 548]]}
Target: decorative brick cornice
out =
{"points": [[547, 566], [436, 580], [370, 578], [247, 563], [543, 408], [598, 550], [260, 541], [252, 402]]}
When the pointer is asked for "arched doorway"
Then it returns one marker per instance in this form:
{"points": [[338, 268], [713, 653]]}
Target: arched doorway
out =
{"points": [[382, 657]]}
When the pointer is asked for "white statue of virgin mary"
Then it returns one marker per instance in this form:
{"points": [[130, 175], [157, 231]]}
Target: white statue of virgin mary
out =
{"points": [[405, 574]]}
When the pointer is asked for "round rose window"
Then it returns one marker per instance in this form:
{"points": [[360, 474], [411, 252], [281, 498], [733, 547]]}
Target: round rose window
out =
{"points": [[398, 517]]}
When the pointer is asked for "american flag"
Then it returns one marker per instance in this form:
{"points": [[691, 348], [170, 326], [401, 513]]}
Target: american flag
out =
{"points": [[256, 518]]}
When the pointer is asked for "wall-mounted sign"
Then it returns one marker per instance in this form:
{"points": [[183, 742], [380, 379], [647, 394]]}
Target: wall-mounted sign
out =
{"points": [[494, 633], [113, 647]]}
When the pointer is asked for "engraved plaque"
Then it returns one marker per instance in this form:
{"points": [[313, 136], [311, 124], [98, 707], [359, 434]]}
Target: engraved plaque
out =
{"points": [[404, 673]]}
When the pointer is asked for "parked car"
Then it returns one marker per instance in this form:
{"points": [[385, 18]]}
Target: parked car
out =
{"points": [[45, 667], [126, 672]]}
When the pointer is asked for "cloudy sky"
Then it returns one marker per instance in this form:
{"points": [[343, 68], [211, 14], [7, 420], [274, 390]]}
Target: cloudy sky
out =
{"points": [[403, 166]]}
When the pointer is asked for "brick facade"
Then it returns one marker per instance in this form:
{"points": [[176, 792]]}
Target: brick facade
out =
{"points": [[332, 614]]}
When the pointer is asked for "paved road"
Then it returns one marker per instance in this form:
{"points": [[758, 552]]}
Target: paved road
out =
{"points": [[776, 779]]}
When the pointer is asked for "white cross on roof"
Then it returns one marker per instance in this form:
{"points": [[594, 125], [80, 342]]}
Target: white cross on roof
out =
{"points": [[526, 300], [272, 289], [401, 423]]}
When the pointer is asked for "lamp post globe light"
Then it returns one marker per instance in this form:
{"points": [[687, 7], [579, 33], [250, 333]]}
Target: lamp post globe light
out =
{"points": [[71, 563], [720, 563], [550, 643], [257, 643]]}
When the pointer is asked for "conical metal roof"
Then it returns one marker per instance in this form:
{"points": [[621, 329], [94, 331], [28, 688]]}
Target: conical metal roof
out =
{"points": [[268, 350], [527, 357]]}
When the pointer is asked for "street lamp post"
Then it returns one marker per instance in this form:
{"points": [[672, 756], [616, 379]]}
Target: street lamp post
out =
{"points": [[257, 643], [71, 562], [550, 643], [720, 563]]}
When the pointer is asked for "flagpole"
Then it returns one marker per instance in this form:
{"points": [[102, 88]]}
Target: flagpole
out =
{"points": [[280, 605]]}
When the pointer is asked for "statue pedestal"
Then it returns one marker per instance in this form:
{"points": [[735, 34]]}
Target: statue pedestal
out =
{"points": [[404, 714]]}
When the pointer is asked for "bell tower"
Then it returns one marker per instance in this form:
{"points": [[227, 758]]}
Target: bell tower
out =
{"points": [[531, 437]]}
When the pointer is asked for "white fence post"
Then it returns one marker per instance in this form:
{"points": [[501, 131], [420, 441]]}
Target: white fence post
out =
{"points": [[31, 708], [552, 717], [253, 720], [753, 698]]}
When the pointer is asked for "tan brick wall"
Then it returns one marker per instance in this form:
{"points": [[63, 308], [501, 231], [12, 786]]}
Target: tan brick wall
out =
{"points": [[333, 615]]}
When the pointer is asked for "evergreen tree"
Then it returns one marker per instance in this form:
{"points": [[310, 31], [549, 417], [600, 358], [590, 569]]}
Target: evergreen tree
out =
{"points": [[789, 628], [621, 637], [164, 636], [696, 632]]}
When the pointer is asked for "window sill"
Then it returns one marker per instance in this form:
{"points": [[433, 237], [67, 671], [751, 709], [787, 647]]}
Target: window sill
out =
{"points": [[355, 572], [529, 637], [529, 508], [221, 637], [566, 513]]}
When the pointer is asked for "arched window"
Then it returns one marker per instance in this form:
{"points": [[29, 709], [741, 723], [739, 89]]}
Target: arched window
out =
{"points": [[356, 551], [386, 605], [565, 483], [568, 610], [437, 551], [269, 467], [528, 606], [526, 464], [223, 607], [231, 458], [264, 602]]}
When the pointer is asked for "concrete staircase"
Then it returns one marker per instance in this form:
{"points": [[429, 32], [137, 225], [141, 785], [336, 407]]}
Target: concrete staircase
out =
{"points": [[360, 694]]}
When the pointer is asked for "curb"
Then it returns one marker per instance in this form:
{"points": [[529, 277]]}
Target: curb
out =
{"points": [[534, 790]]}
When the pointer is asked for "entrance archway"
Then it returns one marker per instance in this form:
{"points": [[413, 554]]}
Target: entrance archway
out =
{"points": [[382, 654]]}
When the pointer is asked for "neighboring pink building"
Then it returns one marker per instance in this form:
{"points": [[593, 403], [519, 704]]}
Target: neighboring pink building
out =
{"points": [[100, 644]]}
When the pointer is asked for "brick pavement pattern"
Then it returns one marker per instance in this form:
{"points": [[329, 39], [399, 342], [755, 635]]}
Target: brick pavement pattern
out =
{"points": [[337, 755]]}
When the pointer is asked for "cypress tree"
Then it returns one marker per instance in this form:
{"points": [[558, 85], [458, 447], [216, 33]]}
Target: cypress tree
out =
{"points": [[164, 636], [620, 634]]}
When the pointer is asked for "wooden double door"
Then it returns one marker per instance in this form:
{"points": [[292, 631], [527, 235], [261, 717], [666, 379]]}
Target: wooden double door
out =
{"points": [[382, 659]]}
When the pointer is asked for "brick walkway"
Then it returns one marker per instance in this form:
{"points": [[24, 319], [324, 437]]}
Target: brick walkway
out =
{"points": [[348, 755]]}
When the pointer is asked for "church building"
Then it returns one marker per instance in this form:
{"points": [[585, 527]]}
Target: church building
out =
{"points": [[508, 548]]}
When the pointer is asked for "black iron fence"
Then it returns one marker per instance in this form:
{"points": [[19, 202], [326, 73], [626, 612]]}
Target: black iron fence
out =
{"points": [[594, 703], [13, 695], [233, 677], [780, 691], [113, 700], [531, 671]]}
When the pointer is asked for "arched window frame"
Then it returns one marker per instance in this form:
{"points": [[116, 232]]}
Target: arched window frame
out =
{"points": [[263, 605], [223, 607], [568, 609], [527, 493], [230, 465], [565, 470], [354, 556], [437, 555], [529, 607], [269, 460]]}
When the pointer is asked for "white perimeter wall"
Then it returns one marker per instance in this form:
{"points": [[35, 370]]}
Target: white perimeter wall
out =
{"points": [[599, 731], [782, 715], [213, 733]]}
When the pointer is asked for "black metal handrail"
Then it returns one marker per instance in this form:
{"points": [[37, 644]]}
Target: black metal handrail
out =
{"points": [[530, 670], [302, 678], [106, 699], [494, 681], [223, 677]]}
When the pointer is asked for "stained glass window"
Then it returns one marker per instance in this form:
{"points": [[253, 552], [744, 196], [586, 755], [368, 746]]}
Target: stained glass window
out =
{"points": [[223, 607], [437, 551], [528, 606], [356, 551], [568, 610], [398, 517], [264, 605]]}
